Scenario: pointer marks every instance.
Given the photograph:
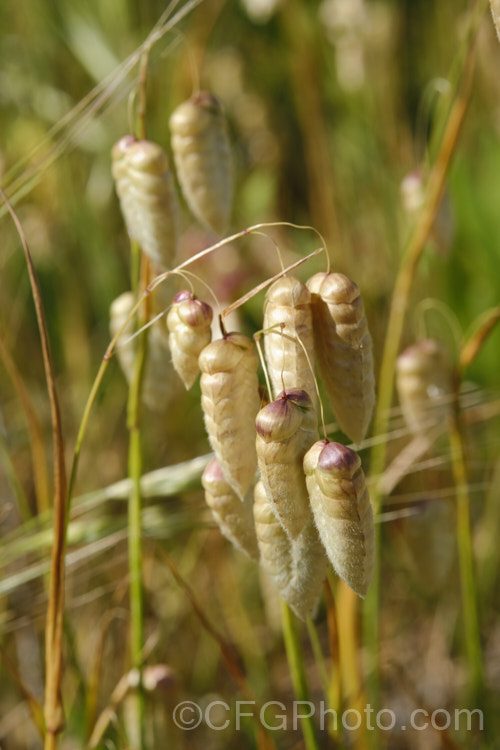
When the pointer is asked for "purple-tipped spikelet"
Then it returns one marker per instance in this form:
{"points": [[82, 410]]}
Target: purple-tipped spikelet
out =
{"points": [[189, 324], [148, 200], [203, 159], [285, 430], [342, 511]]}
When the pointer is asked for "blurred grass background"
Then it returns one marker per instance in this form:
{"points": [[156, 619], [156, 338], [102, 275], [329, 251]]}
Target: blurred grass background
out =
{"points": [[331, 105]]}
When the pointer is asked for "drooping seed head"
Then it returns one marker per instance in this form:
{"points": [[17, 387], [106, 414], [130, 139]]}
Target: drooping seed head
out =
{"points": [[147, 196], [342, 511], [230, 402], [158, 388], [285, 430], [189, 325], [423, 384], [203, 160], [288, 326], [343, 349]]}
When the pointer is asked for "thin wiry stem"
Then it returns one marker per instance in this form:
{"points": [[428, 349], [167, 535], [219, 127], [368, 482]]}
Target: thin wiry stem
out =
{"points": [[21, 179], [53, 710], [399, 305], [297, 673], [465, 554]]}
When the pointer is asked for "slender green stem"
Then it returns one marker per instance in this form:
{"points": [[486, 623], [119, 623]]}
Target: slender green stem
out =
{"points": [[135, 534], [296, 665], [320, 660], [399, 305], [465, 554]]}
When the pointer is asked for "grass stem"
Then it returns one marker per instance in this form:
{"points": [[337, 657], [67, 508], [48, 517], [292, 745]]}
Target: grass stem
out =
{"points": [[296, 665], [134, 520], [53, 709], [465, 554], [394, 332]]}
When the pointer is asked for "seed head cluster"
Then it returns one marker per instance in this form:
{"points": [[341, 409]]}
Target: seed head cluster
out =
{"points": [[276, 490]]}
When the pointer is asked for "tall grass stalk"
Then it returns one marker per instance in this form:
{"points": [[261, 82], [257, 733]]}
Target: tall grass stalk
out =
{"points": [[464, 541], [399, 305], [464, 534], [347, 604], [53, 709], [135, 536], [297, 672], [139, 281]]}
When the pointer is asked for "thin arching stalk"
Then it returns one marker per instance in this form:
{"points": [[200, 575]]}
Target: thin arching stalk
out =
{"points": [[53, 710]]}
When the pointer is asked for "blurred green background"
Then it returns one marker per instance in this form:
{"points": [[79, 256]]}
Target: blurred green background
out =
{"points": [[331, 105]]}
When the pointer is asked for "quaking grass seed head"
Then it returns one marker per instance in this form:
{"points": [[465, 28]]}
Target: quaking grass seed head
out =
{"points": [[147, 196], [285, 429], [189, 324], [288, 341], [158, 388], [342, 512], [423, 380], [343, 349], [230, 401], [203, 159]]}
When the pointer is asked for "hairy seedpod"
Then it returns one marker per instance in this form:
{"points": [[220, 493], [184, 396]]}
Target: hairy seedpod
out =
{"points": [[423, 384], [148, 200], [157, 384], [234, 518], [297, 567], [342, 511], [285, 430], [230, 401], [344, 351], [189, 323], [203, 159], [288, 302]]}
